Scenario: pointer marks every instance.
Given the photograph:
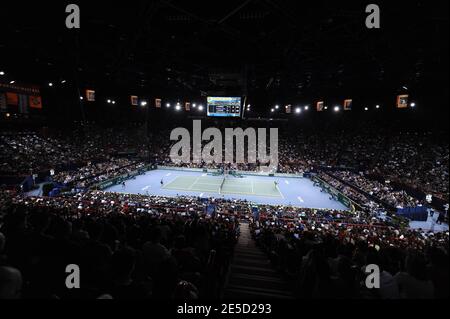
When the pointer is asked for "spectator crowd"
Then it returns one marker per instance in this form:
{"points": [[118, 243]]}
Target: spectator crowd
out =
{"points": [[370, 163], [149, 247], [129, 247], [135, 246]]}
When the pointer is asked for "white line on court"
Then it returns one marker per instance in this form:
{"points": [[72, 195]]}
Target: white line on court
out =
{"points": [[168, 174], [279, 191], [250, 194], [195, 182], [287, 182], [170, 183], [146, 188], [300, 199]]}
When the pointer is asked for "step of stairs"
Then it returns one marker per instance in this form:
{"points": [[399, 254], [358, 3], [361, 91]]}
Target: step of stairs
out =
{"points": [[251, 274]]}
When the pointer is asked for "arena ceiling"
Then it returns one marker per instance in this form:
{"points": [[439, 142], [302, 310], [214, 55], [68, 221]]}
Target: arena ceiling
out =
{"points": [[294, 49]]}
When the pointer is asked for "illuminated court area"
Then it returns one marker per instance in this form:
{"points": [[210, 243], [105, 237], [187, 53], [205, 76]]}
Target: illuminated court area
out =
{"points": [[280, 190], [228, 185]]}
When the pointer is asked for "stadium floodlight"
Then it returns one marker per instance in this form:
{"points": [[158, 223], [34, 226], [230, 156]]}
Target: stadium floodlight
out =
{"points": [[413, 104], [326, 107], [2, 73], [366, 109], [113, 102], [377, 107], [277, 107], [168, 105], [272, 110], [298, 110], [108, 101], [200, 107], [144, 103], [194, 106], [63, 81], [337, 108], [12, 82], [178, 107], [405, 88], [50, 84], [81, 98], [306, 107]]}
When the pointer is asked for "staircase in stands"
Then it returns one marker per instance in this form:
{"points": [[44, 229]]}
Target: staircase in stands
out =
{"points": [[251, 274]]}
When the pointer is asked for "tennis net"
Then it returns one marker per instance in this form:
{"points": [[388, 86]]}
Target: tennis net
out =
{"points": [[221, 185]]}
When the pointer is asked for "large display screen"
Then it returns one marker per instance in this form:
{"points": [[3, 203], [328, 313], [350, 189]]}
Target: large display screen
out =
{"points": [[224, 106]]}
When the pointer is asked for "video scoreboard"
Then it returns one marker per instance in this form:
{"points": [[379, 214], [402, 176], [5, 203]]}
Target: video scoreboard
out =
{"points": [[224, 106]]}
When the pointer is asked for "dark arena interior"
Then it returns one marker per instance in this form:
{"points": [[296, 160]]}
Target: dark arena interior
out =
{"points": [[240, 152]]}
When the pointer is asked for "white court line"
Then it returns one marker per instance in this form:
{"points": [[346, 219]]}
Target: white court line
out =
{"points": [[195, 182], [278, 189], [211, 178], [300, 199], [239, 186], [168, 174], [287, 182], [146, 188], [250, 194], [170, 183], [203, 183]]}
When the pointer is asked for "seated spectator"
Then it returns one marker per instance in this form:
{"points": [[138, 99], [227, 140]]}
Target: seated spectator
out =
{"points": [[124, 287], [10, 283], [413, 282], [2, 249], [185, 291], [154, 252]]}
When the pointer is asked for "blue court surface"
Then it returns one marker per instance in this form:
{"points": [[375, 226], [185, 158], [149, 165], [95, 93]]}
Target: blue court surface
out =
{"points": [[299, 192]]}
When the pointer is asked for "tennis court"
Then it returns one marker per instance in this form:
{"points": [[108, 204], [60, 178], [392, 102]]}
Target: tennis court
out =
{"points": [[229, 185], [256, 189]]}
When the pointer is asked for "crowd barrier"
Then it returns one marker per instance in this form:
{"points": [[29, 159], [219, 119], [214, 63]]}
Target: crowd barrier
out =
{"points": [[419, 213], [388, 206], [117, 180], [347, 202]]}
